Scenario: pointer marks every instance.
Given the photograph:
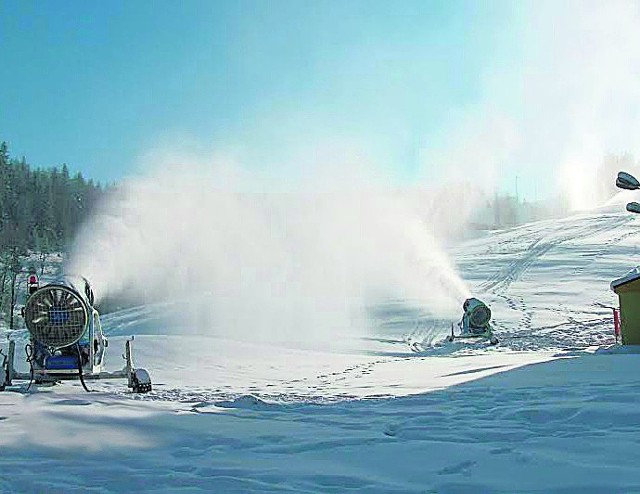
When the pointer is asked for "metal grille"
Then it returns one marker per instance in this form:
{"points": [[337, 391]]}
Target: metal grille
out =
{"points": [[480, 316], [56, 316]]}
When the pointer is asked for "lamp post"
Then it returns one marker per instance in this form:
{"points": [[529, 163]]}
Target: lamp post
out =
{"points": [[629, 182]]}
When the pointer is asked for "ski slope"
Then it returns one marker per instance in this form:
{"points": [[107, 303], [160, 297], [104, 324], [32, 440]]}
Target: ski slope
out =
{"points": [[549, 282], [550, 409]]}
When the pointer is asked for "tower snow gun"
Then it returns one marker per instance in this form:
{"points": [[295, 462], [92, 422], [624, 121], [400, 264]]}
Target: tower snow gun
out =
{"points": [[475, 323], [66, 339]]}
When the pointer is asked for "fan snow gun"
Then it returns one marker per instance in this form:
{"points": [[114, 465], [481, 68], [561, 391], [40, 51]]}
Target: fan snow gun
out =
{"points": [[66, 339], [475, 323]]}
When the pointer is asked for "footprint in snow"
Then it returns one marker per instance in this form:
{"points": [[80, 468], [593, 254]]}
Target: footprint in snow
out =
{"points": [[457, 468], [391, 430], [72, 402], [501, 451]]}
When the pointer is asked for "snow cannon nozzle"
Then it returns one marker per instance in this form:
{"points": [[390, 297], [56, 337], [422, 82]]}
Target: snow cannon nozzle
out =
{"points": [[477, 313]]}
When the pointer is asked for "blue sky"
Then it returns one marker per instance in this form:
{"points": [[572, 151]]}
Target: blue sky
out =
{"points": [[97, 84]]}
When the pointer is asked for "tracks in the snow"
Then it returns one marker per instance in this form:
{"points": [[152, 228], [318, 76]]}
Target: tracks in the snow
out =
{"points": [[540, 246], [575, 326]]}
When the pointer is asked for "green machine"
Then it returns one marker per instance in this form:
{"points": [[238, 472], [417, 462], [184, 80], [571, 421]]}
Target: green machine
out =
{"points": [[628, 290]]}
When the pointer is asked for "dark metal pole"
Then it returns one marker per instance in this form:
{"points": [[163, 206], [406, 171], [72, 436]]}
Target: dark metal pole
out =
{"points": [[13, 299]]}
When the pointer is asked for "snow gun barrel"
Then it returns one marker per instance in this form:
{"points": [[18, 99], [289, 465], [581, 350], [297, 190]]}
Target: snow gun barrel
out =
{"points": [[478, 313], [58, 314]]}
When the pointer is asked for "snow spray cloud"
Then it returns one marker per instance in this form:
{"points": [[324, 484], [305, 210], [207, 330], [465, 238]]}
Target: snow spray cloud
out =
{"points": [[249, 264], [562, 94], [595, 67]]}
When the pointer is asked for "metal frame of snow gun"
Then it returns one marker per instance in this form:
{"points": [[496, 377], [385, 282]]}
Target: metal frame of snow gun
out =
{"points": [[137, 379], [486, 335]]}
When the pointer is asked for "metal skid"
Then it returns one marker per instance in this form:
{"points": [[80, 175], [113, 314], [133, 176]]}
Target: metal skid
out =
{"points": [[475, 324], [485, 335], [137, 379]]}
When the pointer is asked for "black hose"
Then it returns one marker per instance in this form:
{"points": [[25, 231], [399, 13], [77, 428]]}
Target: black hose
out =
{"points": [[5, 370], [84, 385], [28, 350]]}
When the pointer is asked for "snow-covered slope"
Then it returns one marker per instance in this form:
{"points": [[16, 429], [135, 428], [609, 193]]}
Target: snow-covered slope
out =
{"points": [[539, 413], [548, 282]]}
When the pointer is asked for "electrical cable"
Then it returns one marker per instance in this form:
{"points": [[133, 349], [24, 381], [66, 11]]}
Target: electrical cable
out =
{"points": [[28, 350], [84, 385]]}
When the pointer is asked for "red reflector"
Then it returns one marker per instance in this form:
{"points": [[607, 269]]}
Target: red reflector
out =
{"points": [[33, 279]]}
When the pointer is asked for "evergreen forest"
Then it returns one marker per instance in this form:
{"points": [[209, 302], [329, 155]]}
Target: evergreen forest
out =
{"points": [[41, 211]]}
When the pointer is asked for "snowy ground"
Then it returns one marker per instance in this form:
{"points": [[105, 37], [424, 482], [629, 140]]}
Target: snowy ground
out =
{"points": [[545, 411]]}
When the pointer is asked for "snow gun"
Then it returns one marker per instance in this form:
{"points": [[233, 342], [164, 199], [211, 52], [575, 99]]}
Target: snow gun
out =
{"points": [[475, 323], [66, 339]]}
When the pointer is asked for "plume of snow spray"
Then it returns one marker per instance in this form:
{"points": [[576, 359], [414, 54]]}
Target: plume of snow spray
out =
{"points": [[552, 107], [242, 263]]}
